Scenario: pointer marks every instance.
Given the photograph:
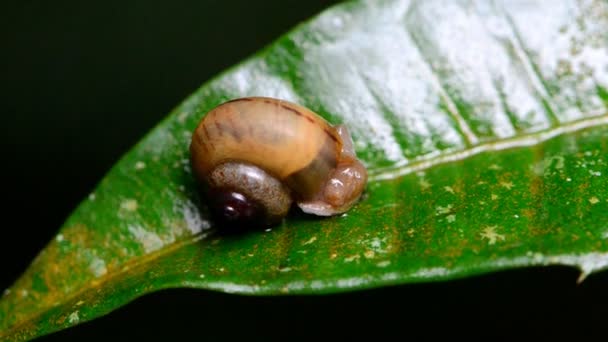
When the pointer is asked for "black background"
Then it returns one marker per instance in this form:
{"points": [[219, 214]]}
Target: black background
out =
{"points": [[82, 81]]}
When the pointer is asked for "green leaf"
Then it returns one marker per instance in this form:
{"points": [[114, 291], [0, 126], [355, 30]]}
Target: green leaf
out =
{"points": [[483, 125]]}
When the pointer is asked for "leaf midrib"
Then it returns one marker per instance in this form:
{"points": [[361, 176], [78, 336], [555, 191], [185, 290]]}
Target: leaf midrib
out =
{"points": [[523, 140]]}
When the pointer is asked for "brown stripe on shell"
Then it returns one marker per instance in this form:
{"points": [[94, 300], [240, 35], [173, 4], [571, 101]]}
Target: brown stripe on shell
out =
{"points": [[218, 127], [291, 109], [229, 128], [298, 113], [238, 100], [206, 131], [267, 133], [331, 135]]}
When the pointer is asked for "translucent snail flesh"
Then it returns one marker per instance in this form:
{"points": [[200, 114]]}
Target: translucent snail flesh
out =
{"points": [[257, 155]]}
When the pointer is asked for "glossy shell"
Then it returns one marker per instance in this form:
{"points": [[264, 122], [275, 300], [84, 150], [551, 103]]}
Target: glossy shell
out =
{"points": [[281, 138], [288, 142]]}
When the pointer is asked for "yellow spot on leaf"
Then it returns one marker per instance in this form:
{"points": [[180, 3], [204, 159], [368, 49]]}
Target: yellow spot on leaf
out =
{"points": [[448, 189], [494, 197], [594, 200]]}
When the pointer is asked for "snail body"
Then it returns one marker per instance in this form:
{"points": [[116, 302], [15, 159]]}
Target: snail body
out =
{"points": [[257, 155]]}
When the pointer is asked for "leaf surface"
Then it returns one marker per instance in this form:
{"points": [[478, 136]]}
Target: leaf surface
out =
{"points": [[483, 125]]}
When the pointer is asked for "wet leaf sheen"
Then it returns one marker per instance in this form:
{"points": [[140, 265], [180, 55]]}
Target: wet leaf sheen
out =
{"points": [[483, 125]]}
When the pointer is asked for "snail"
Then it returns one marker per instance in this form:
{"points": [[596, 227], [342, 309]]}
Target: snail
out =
{"points": [[255, 156]]}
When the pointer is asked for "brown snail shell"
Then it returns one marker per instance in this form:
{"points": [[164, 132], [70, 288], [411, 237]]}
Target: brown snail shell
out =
{"points": [[256, 155]]}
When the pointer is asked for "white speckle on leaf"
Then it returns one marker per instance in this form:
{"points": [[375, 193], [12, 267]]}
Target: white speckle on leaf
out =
{"points": [[568, 179], [140, 165], [352, 258], [594, 200], [559, 162], [202, 276], [285, 269], [494, 197], [181, 117], [490, 233], [73, 318], [194, 221], [448, 189], [424, 184], [376, 243], [129, 205], [443, 210], [221, 269], [80, 302], [595, 173], [495, 167], [92, 197], [451, 218], [59, 238], [98, 267], [311, 240], [6, 292], [149, 240], [383, 263], [24, 293]]}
